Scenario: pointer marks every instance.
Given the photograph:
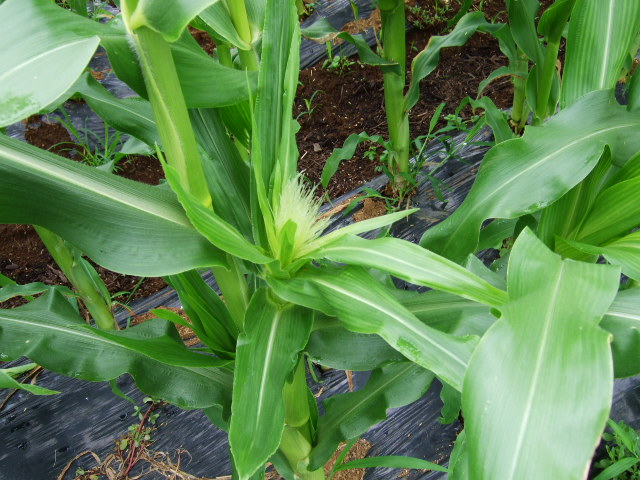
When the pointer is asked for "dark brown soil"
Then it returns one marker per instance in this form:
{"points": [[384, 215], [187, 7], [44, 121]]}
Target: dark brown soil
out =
{"points": [[353, 102], [348, 103]]}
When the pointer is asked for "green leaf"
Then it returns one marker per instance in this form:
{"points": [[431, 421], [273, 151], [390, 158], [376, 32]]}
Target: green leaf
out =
{"points": [[600, 34], [427, 60], [331, 345], [413, 264], [349, 415], [624, 252], [45, 49], [522, 14], [195, 71], [451, 404], [267, 353], [15, 290], [207, 312], [131, 115], [363, 305], [217, 18], [497, 120], [447, 313], [617, 468], [124, 226], [623, 321], [554, 19], [322, 31], [563, 217], [615, 212], [169, 19], [525, 174], [273, 132], [7, 380], [220, 233], [559, 369], [49, 332], [459, 459], [345, 152], [392, 461], [228, 175]]}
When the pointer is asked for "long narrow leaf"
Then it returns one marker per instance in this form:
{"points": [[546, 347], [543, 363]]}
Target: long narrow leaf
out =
{"points": [[600, 34], [49, 332], [523, 175], [414, 264], [125, 226], [623, 321], [349, 415], [559, 368], [365, 306], [267, 353], [39, 61]]}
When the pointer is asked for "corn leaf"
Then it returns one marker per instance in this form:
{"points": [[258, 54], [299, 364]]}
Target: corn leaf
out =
{"points": [[51, 333], [447, 313], [132, 116], [322, 31], [363, 305], [600, 35], [267, 353], [624, 252], [523, 175], [206, 311], [427, 60], [125, 226], [216, 17], [413, 264], [219, 232], [615, 212], [228, 175], [559, 369], [40, 62], [331, 345], [623, 321], [169, 19], [349, 415], [7, 380], [522, 15]]}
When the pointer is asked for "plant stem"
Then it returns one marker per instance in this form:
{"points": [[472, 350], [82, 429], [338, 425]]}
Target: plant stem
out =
{"points": [[519, 110], [297, 439], [238, 12], [67, 257], [170, 111], [233, 287], [224, 55], [546, 81], [393, 41]]}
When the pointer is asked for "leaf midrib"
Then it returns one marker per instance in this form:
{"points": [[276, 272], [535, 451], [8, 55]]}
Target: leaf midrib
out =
{"points": [[528, 405]]}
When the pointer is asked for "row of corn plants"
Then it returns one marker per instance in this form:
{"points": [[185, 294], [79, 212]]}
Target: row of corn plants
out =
{"points": [[525, 349]]}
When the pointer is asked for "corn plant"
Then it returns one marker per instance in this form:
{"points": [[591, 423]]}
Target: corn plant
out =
{"points": [[392, 60], [235, 205], [532, 50]]}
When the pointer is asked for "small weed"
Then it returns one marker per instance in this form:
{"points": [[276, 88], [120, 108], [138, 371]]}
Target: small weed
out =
{"points": [[308, 102], [421, 18], [336, 63], [104, 152], [623, 449]]}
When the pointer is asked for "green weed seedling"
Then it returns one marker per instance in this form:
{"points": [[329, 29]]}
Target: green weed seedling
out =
{"points": [[336, 63], [623, 450], [308, 103]]}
